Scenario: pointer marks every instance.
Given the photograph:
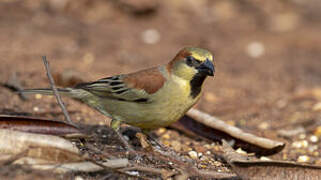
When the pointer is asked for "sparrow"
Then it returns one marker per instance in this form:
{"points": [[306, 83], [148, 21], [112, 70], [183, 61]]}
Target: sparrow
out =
{"points": [[150, 98]]}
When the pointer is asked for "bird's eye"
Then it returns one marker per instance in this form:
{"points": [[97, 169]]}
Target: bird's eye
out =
{"points": [[191, 61]]}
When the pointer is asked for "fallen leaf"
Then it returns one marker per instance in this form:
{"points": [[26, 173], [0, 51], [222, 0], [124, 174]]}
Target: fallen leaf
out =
{"points": [[35, 125]]}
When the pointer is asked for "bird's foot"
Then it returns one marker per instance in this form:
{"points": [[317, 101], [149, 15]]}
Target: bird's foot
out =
{"points": [[145, 143], [124, 141]]}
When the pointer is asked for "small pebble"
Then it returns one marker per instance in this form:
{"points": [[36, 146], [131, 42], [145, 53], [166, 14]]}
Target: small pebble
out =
{"points": [[312, 148], [314, 139], [133, 173], [284, 156], [302, 136], [317, 107], [316, 154], [79, 178], [193, 154], [240, 151], [38, 96], [166, 136], [204, 158], [300, 144], [177, 146], [151, 36], [161, 130], [317, 131], [36, 109], [88, 58], [303, 158], [305, 143], [210, 97], [200, 149], [255, 49], [264, 126], [318, 162], [208, 152], [263, 158]]}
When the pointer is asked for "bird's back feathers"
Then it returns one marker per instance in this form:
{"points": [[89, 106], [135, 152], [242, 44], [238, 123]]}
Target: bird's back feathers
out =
{"points": [[134, 87], [150, 80]]}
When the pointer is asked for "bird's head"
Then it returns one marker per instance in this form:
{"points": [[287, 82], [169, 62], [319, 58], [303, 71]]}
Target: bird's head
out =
{"points": [[192, 62]]}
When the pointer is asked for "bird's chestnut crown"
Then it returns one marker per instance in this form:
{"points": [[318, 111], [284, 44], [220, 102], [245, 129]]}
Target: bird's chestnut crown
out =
{"points": [[192, 61]]}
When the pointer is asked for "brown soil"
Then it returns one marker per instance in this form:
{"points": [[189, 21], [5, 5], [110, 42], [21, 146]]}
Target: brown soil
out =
{"points": [[260, 91]]}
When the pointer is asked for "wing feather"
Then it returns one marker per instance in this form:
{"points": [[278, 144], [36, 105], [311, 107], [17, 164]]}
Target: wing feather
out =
{"points": [[135, 87], [114, 87]]}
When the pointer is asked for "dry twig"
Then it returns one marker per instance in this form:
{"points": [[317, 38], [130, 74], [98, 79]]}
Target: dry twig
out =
{"points": [[55, 91], [233, 131], [14, 85]]}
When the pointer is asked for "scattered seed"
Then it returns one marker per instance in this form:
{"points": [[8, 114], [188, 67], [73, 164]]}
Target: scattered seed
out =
{"points": [[263, 158], [36, 109], [317, 107], [161, 130], [316, 154], [240, 151], [210, 97], [317, 131], [151, 36], [312, 148], [300, 144], [314, 139], [264, 126], [166, 136], [303, 158], [79, 178], [302, 136], [38, 96], [255, 49], [193, 154]]}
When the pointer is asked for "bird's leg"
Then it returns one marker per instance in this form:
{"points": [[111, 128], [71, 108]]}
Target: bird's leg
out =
{"points": [[144, 142], [115, 125]]}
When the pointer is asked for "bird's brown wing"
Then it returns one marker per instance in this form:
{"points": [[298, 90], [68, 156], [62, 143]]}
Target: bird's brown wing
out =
{"points": [[135, 87]]}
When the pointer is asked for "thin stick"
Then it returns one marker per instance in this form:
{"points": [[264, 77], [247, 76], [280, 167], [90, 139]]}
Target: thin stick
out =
{"points": [[233, 131], [55, 91]]}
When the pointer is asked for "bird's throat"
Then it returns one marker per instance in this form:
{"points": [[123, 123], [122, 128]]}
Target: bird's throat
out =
{"points": [[196, 84]]}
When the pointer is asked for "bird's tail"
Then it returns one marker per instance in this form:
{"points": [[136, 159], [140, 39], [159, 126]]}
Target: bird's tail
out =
{"points": [[46, 91]]}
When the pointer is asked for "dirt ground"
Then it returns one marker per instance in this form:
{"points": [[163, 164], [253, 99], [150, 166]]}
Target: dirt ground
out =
{"points": [[267, 55]]}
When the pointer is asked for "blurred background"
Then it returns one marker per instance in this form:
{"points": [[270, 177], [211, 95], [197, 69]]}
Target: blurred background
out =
{"points": [[267, 53]]}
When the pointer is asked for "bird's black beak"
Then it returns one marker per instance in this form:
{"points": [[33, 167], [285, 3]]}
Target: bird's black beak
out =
{"points": [[206, 68]]}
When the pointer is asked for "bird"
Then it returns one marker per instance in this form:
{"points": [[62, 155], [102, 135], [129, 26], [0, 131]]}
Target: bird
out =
{"points": [[150, 98]]}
